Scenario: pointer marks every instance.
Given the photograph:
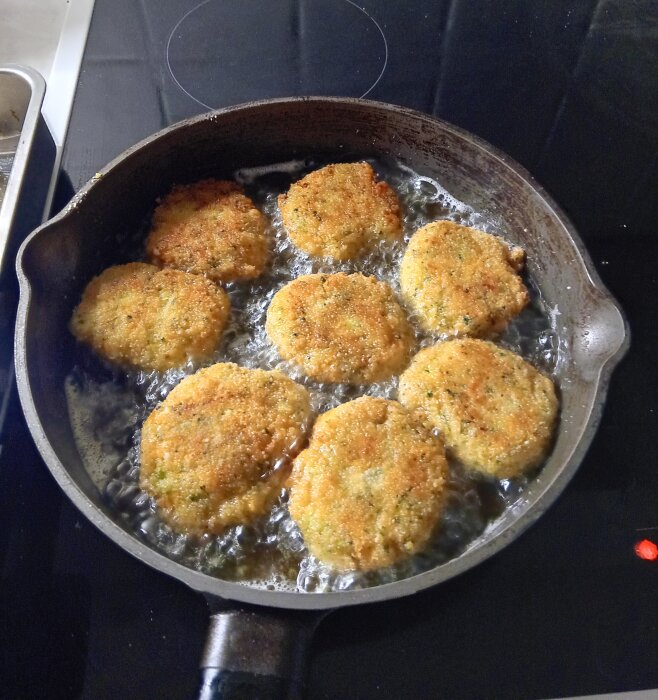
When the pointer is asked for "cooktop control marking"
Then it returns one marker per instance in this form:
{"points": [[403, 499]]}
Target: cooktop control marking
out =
{"points": [[221, 52]]}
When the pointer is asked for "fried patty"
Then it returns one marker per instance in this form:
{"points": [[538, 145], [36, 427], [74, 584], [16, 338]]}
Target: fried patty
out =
{"points": [[214, 453], [461, 281], [340, 211], [139, 316], [340, 328], [210, 228], [496, 412], [368, 491]]}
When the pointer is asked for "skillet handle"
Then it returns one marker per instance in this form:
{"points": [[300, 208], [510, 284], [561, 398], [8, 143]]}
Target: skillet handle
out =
{"points": [[255, 655]]}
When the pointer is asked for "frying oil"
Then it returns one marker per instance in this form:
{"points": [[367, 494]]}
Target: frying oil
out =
{"points": [[107, 408]]}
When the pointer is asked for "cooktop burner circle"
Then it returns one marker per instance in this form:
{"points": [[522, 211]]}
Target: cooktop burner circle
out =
{"points": [[224, 52]]}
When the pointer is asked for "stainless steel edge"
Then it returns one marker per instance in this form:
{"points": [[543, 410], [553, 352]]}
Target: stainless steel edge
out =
{"points": [[21, 157]]}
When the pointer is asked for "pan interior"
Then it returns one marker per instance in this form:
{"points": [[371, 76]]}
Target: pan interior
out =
{"points": [[100, 224], [106, 414]]}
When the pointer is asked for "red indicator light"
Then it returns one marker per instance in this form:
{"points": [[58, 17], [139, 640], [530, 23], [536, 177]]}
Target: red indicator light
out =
{"points": [[646, 549]]}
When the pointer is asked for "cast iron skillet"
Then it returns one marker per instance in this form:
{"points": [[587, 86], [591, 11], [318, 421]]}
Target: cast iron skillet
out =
{"points": [[259, 643]]}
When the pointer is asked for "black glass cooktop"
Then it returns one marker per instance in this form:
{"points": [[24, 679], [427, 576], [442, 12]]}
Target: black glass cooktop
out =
{"points": [[570, 90]]}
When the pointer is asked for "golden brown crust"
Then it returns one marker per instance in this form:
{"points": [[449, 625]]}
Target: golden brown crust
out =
{"points": [[210, 228], [210, 449], [496, 412], [340, 211], [462, 281], [369, 489], [143, 317], [340, 328]]}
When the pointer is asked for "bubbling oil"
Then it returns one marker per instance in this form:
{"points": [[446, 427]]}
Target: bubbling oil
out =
{"points": [[107, 408]]}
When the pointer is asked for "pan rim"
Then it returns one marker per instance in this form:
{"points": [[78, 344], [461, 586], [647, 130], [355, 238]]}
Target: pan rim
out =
{"points": [[475, 553]]}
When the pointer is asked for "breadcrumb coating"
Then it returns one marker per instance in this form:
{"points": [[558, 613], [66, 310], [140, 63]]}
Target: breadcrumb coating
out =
{"points": [[340, 211], [368, 491], [138, 316], [340, 328], [210, 228], [461, 281], [216, 451], [496, 412]]}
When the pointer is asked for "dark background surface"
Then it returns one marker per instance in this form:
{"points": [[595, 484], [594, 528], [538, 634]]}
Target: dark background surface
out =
{"points": [[570, 90]]}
